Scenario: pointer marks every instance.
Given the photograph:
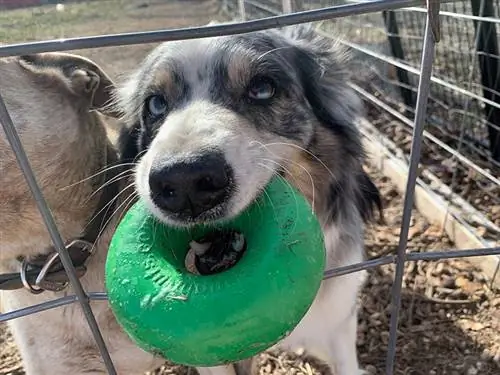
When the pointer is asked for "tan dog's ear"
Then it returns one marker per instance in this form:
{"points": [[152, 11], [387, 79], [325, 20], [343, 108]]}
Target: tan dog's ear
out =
{"points": [[82, 76]]}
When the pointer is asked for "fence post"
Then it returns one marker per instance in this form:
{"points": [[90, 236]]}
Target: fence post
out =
{"points": [[243, 14], [391, 26], [487, 49], [287, 6]]}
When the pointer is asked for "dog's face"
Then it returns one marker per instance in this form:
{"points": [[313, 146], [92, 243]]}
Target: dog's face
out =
{"points": [[51, 99], [220, 117]]}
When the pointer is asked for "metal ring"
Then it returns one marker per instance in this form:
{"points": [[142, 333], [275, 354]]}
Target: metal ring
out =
{"points": [[57, 287], [45, 269], [83, 244], [24, 280]]}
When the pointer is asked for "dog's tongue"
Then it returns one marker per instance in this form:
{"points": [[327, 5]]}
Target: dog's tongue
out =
{"points": [[216, 252]]}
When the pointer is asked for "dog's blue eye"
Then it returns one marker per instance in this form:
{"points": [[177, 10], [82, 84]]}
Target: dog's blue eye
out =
{"points": [[261, 89], [156, 105]]}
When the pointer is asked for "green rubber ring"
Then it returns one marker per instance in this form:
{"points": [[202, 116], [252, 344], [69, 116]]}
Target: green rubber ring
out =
{"points": [[226, 317]]}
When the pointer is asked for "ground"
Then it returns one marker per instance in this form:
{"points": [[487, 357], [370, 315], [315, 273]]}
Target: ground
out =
{"points": [[450, 316]]}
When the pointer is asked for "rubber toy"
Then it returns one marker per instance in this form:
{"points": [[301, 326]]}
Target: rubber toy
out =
{"points": [[208, 320]]}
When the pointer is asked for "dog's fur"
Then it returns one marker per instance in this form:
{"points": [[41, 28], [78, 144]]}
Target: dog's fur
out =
{"points": [[305, 133], [52, 100]]}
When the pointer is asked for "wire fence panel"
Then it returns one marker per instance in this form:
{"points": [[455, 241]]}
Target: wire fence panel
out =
{"points": [[458, 96], [462, 144], [462, 138]]}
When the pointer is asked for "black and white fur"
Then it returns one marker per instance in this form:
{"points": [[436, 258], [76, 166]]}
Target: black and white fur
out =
{"points": [[243, 109]]}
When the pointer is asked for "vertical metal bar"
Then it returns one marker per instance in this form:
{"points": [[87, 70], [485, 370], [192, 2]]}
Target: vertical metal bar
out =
{"points": [[287, 6], [48, 219], [487, 48], [420, 114], [466, 123], [241, 6], [397, 50]]}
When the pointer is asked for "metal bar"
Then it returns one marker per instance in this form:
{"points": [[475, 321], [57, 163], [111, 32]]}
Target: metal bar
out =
{"points": [[52, 304], [37, 308], [426, 134], [200, 32], [334, 272], [205, 31], [466, 103], [399, 65], [415, 71], [287, 6], [412, 257], [394, 38], [455, 15], [420, 114], [487, 43], [22, 159], [241, 7]]}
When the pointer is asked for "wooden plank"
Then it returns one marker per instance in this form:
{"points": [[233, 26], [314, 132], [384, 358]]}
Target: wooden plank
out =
{"points": [[431, 205]]}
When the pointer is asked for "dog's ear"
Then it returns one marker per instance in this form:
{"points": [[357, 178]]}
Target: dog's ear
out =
{"points": [[82, 77]]}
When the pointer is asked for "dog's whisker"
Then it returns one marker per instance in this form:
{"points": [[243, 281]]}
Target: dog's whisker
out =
{"points": [[104, 185], [332, 175], [134, 195], [118, 177], [313, 187], [302, 149], [97, 174], [295, 178], [291, 174], [126, 202], [139, 154], [107, 205], [264, 190], [273, 50], [285, 181]]}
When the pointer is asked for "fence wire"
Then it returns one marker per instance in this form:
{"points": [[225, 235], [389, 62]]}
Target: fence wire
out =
{"points": [[423, 70], [461, 145]]}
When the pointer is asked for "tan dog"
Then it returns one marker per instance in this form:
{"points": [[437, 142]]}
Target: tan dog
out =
{"points": [[52, 100]]}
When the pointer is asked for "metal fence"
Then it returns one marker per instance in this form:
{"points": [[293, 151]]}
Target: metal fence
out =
{"points": [[429, 29], [461, 145]]}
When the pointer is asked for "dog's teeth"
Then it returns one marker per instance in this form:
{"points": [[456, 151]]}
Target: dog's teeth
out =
{"points": [[190, 262], [238, 242], [200, 248]]}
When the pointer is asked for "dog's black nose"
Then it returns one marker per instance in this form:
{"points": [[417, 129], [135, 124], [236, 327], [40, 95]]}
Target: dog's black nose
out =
{"points": [[190, 187]]}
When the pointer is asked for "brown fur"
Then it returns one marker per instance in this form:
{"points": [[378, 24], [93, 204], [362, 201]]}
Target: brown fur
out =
{"points": [[53, 99]]}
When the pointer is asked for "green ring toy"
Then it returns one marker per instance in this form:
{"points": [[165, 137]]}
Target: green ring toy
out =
{"points": [[209, 320]]}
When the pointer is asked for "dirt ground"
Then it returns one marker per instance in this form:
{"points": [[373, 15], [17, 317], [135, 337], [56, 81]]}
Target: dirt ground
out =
{"points": [[450, 317]]}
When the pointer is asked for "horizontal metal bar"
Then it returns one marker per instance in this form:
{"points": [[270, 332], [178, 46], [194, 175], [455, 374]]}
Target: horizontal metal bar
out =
{"points": [[399, 64], [58, 302], [411, 257], [415, 71], [339, 271], [37, 308], [98, 296], [205, 31], [455, 15], [427, 135], [444, 13]]}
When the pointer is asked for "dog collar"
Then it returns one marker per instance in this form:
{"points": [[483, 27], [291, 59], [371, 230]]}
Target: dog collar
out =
{"points": [[45, 271]]}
